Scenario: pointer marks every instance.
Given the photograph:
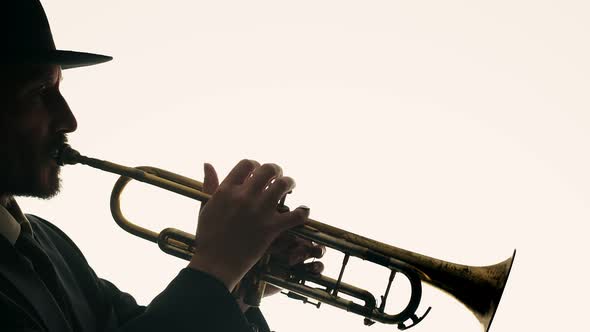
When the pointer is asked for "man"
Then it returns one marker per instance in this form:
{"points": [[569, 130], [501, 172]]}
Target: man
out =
{"points": [[45, 282]]}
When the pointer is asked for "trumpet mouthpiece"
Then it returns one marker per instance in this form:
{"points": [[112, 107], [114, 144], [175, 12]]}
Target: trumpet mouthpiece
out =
{"points": [[67, 156]]}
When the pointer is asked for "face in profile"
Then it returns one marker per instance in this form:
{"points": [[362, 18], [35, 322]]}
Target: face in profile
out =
{"points": [[34, 121]]}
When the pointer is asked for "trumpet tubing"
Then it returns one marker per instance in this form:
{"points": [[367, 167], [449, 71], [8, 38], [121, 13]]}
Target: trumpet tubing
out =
{"points": [[479, 288]]}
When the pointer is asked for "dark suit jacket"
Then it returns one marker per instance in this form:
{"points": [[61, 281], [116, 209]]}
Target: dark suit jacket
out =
{"points": [[194, 301]]}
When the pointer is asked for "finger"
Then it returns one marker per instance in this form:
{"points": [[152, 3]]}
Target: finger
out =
{"points": [[298, 255], [287, 220], [313, 267], [211, 181], [291, 253], [283, 243], [304, 250], [318, 251], [240, 172], [261, 177], [277, 189]]}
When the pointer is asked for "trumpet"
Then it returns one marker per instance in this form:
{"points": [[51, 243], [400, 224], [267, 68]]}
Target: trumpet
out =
{"points": [[478, 288]]}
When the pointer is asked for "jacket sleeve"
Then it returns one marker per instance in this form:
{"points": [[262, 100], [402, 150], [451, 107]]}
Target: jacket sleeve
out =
{"points": [[193, 301]]}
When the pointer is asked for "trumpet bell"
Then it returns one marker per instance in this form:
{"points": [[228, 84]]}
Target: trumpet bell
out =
{"points": [[482, 289]]}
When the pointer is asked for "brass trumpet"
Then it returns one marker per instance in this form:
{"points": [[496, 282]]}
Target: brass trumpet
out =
{"points": [[479, 288]]}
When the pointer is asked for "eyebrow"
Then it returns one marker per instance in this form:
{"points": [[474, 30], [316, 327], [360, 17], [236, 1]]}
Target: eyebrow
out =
{"points": [[23, 77], [45, 75], [38, 73]]}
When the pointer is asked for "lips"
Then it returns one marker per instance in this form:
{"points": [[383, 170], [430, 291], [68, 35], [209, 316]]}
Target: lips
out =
{"points": [[55, 147]]}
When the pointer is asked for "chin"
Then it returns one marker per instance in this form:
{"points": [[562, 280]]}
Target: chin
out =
{"points": [[49, 183], [50, 190], [31, 178]]}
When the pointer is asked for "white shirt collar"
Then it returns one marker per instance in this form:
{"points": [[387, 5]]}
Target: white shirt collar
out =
{"points": [[13, 221]]}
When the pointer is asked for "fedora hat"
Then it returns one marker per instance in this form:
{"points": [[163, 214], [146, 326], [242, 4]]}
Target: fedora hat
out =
{"points": [[25, 38]]}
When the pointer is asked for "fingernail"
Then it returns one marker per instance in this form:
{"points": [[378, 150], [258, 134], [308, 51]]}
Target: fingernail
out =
{"points": [[319, 251], [315, 267], [305, 210], [303, 207]]}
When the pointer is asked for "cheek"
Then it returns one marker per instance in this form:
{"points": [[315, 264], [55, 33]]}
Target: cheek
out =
{"points": [[31, 122], [24, 132]]}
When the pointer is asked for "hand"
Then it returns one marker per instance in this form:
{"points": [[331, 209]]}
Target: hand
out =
{"points": [[287, 249], [292, 251], [240, 221]]}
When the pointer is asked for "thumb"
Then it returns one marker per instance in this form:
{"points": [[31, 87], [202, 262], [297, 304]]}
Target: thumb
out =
{"points": [[291, 219], [211, 181]]}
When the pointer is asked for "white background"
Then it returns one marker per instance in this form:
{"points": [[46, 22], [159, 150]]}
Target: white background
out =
{"points": [[457, 129]]}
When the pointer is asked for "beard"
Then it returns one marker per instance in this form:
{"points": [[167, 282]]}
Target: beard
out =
{"points": [[31, 170]]}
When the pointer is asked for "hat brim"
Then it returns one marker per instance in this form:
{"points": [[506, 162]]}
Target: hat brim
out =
{"points": [[65, 59], [72, 59]]}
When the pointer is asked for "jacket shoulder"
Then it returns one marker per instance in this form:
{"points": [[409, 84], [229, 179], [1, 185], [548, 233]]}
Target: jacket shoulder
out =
{"points": [[47, 229]]}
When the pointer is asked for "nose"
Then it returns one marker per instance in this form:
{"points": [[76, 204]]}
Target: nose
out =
{"points": [[64, 120]]}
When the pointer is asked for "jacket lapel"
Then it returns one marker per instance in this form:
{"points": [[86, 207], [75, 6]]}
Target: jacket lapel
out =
{"points": [[18, 270]]}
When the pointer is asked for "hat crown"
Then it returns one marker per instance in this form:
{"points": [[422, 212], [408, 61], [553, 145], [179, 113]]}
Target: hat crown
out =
{"points": [[25, 27], [26, 38]]}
